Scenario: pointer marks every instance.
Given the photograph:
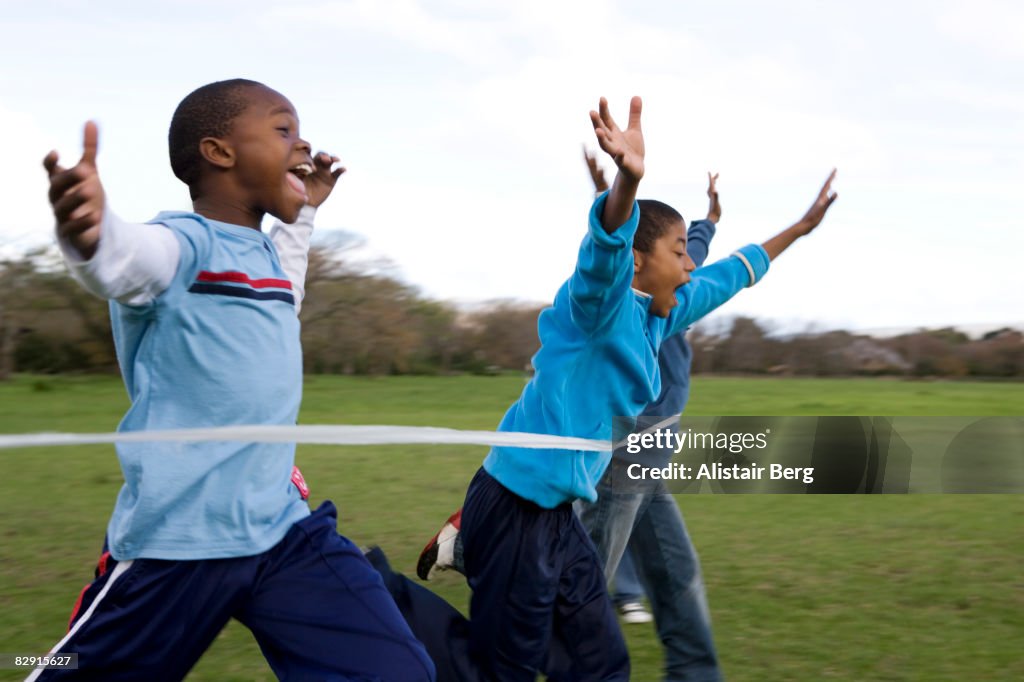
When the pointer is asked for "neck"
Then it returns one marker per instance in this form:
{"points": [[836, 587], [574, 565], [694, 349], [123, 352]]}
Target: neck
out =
{"points": [[227, 212]]}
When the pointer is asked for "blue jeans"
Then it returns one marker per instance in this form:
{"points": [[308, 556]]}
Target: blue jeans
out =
{"points": [[626, 587], [648, 518]]}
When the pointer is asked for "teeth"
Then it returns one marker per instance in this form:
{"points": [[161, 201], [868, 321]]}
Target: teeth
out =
{"points": [[302, 170]]}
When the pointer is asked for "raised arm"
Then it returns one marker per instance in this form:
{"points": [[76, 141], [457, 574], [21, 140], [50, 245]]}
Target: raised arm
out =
{"points": [[596, 172], [292, 240], [626, 147], [714, 207], [815, 214], [701, 232], [713, 285]]}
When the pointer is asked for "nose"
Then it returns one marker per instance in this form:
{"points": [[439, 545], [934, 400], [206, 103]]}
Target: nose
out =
{"points": [[688, 264], [304, 146]]}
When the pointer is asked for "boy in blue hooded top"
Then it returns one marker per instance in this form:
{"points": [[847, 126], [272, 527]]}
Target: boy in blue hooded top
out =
{"points": [[538, 587]]}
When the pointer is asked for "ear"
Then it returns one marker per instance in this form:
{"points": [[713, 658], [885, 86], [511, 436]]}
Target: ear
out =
{"points": [[217, 152], [638, 261]]}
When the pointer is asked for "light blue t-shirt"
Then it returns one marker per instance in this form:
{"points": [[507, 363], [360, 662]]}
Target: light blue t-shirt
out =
{"points": [[219, 347], [599, 359]]}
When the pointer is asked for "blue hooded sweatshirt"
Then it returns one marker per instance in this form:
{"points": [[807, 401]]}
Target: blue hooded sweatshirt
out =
{"points": [[599, 359]]}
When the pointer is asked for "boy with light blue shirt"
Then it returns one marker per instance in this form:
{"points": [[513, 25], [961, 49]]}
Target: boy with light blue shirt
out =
{"points": [[204, 314], [539, 599]]}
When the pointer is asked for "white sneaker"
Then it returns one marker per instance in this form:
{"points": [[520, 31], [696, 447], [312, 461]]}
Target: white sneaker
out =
{"points": [[634, 612]]}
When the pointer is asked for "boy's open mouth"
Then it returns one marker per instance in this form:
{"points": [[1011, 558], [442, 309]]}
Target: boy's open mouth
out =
{"points": [[295, 176]]}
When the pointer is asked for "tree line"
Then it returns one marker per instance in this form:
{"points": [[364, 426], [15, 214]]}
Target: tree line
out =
{"points": [[359, 319]]}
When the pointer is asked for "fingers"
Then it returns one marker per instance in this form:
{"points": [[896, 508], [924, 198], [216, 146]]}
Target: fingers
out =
{"points": [[325, 160], [605, 129], [324, 163], [50, 163], [712, 179], [602, 133], [67, 181], [90, 143], [606, 114], [827, 195], [81, 200], [635, 106], [64, 208]]}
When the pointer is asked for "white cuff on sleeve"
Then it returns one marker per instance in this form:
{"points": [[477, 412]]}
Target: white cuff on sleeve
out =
{"points": [[746, 264]]}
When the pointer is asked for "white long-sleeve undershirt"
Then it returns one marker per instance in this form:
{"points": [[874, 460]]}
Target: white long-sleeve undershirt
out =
{"points": [[135, 262]]}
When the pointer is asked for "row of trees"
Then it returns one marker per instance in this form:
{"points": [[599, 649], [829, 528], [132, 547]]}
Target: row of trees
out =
{"points": [[359, 319], [747, 347]]}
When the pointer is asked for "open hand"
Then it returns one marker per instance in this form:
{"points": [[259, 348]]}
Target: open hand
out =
{"points": [[816, 213], [596, 172], [321, 181], [714, 208], [626, 147], [76, 195]]}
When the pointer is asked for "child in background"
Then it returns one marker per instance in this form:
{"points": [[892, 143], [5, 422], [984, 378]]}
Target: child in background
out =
{"points": [[204, 319], [641, 522]]}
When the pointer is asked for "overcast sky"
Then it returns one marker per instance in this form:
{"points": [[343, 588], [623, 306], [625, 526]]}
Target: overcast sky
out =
{"points": [[461, 123]]}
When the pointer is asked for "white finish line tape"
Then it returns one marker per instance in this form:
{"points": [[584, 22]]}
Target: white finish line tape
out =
{"points": [[320, 434]]}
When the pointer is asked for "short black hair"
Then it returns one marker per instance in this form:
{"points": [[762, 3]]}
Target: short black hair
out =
{"points": [[205, 112], [655, 220]]}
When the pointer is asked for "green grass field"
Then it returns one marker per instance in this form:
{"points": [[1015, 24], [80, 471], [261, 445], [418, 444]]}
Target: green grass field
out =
{"points": [[913, 587]]}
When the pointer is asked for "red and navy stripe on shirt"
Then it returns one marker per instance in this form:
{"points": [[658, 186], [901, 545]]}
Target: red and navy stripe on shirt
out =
{"points": [[240, 285]]}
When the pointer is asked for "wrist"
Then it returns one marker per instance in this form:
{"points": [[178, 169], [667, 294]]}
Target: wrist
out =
{"points": [[85, 243], [801, 228]]}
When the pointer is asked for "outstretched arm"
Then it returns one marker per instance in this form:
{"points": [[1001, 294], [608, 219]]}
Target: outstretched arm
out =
{"points": [[815, 214], [76, 195], [596, 172], [626, 147], [292, 240], [701, 232], [714, 208], [130, 263]]}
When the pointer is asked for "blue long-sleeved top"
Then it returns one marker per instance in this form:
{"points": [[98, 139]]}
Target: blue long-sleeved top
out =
{"points": [[599, 359], [675, 354]]}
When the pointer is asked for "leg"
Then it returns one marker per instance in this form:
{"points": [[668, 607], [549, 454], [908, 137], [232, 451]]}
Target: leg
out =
{"points": [[670, 570], [588, 641], [626, 583], [610, 520], [511, 563], [150, 619], [628, 595], [320, 612], [534, 575]]}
